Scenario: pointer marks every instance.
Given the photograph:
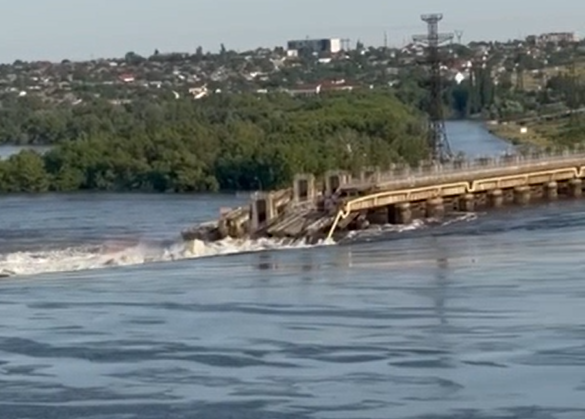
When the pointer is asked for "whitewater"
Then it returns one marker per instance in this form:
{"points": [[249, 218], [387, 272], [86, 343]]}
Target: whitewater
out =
{"points": [[118, 253]]}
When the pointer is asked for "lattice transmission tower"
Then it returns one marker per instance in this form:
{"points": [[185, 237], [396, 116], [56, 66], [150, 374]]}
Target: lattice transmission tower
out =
{"points": [[437, 134]]}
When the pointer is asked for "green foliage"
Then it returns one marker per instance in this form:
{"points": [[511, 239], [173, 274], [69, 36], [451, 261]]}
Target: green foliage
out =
{"points": [[227, 142], [569, 88], [571, 133], [24, 172]]}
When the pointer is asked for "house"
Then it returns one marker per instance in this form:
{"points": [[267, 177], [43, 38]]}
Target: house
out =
{"points": [[557, 38], [126, 78], [323, 86], [199, 92]]}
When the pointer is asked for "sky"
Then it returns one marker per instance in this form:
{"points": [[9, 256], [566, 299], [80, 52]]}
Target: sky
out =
{"points": [[84, 29]]}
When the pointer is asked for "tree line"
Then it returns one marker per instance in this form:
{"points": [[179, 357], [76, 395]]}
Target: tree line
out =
{"points": [[487, 94], [222, 142]]}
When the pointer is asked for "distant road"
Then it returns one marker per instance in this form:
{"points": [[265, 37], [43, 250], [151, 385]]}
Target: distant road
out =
{"points": [[548, 117]]}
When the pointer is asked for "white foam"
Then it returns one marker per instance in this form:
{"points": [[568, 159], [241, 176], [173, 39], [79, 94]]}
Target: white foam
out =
{"points": [[126, 254], [86, 258], [464, 217], [379, 230], [376, 231]]}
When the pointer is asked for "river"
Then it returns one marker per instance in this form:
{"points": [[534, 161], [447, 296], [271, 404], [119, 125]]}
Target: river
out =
{"points": [[9, 150], [109, 316]]}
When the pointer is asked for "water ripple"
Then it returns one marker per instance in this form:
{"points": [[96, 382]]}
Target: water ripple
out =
{"points": [[479, 320]]}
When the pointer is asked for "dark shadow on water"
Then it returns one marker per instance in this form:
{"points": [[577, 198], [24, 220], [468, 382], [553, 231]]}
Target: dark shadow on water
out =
{"points": [[440, 291], [265, 262]]}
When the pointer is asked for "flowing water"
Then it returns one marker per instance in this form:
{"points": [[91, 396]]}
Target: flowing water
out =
{"points": [[105, 314]]}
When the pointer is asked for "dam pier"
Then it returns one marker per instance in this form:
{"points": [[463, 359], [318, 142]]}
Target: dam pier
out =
{"points": [[316, 208]]}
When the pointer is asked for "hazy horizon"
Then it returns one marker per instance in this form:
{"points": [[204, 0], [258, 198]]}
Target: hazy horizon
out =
{"points": [[84, 29]]}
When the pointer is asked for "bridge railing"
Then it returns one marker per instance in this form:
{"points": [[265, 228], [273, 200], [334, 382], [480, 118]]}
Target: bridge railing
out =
{"points": [[426, 171]]}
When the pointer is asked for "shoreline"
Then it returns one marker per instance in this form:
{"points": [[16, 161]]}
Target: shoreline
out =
{"points": [[512, 132], [508, 132], [98, 192], [484, 125]]}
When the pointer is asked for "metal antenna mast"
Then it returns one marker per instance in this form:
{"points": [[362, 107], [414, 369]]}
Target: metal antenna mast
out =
{"points": [[459, 35], [345, 44], [437, 134]]}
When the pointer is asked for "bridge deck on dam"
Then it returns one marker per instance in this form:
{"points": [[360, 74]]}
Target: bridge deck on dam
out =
{"points": [[316, 207], [405, 177]]}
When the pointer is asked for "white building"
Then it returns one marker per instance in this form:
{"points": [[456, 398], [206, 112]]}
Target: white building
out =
{"points": [[559, 37], [553, 38], [326, 45]]}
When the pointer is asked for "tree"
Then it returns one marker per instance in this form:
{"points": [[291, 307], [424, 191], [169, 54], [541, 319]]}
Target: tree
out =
{"points": [[25, 172], [229, 142], [133, 59]]}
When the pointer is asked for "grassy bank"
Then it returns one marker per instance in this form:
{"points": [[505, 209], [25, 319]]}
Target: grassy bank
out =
{"points": [[542, 134], [536, 135]]}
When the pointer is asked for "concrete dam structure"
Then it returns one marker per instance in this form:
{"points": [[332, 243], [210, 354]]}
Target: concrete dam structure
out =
{"points": [[328, 207]]}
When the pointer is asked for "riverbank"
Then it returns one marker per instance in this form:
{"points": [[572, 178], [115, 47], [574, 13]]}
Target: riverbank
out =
{"points": [[563, 132], [536, 134]]}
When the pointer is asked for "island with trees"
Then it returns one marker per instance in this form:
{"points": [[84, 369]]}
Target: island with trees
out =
{"points": [[222, 142]]}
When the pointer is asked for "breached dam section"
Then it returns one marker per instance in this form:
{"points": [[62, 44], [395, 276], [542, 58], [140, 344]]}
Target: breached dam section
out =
{"points": [[327, 207]]}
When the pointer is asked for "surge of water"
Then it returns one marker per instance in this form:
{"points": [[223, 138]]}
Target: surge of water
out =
{"points": [[120, 253], [79, 258]]}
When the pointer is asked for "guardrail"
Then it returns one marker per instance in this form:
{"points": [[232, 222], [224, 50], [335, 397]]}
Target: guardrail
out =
{"points": [[429, 172]]}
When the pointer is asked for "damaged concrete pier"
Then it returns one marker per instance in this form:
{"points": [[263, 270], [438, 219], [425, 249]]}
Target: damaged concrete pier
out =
{"points": [[329, 206]]}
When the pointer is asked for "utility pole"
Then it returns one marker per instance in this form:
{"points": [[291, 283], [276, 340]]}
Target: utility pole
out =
{"points": [[519, 68], [385, 40], [574, 92], [519, 78], [437, 134]]}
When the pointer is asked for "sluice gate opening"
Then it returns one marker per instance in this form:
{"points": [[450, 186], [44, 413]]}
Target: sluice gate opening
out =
{"points": [[262, 211], [303, 190]]}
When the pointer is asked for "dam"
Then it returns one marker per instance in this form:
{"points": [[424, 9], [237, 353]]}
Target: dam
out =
{"points": [[329, 206]]}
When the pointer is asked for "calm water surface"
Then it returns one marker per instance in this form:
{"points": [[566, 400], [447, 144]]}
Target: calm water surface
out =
{"points": [[8, 150], [480, 318], [472, 139]]}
